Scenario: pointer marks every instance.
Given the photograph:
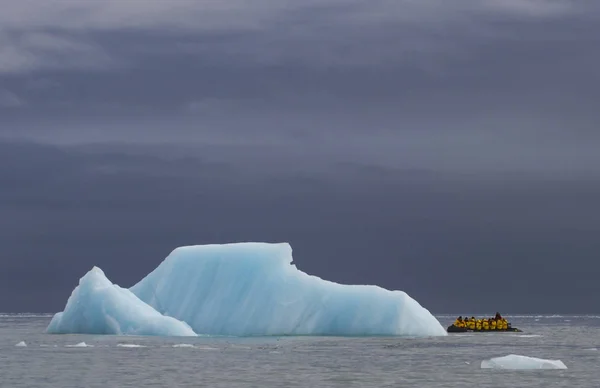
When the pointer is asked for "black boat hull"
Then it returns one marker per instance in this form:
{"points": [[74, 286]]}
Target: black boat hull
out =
{"points": [[455, 329]]}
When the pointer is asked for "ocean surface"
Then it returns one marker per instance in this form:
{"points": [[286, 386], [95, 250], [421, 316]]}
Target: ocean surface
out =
{"points": [[453, 361]]}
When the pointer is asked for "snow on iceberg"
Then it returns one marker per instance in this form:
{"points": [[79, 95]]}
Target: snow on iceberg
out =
{"points": [[247, 289], [96, 306], [516, 362]]}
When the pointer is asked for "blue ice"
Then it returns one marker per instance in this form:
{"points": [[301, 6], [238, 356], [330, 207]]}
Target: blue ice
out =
{"points": [[253, 289], [96, 306]]}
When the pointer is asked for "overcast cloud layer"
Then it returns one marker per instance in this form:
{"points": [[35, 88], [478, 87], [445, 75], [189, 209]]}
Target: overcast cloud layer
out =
{"points": [[410, 144]]}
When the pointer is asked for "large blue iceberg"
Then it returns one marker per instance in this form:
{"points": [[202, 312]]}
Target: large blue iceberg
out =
{"points": [[97, 306], [253, 289]]}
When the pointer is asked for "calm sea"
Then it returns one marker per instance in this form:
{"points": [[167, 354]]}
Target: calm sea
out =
{"points": [[453, 361]]}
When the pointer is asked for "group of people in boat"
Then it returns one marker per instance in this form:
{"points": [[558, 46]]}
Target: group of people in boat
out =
{"points": [[496, 323]]}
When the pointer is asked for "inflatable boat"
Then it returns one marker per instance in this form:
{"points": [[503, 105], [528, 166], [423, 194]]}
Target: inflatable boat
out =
{"points": [[456, 329]]}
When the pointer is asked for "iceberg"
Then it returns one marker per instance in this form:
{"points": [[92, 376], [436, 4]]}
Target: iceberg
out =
{"points": [[96, 306], [517, 362], [254, 289]]}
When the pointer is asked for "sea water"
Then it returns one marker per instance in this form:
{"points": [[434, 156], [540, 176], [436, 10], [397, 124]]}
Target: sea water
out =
{"points": [[452, 361]]}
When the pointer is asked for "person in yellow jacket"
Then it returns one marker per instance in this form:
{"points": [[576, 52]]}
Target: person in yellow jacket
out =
{"points": [[472, 323], [478, 325], [486, 324], [493, 324], [499, 324], [459, 322], [504, 324]]}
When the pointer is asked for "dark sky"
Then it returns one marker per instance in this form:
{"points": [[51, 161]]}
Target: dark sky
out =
{"points": [[445, 148]]}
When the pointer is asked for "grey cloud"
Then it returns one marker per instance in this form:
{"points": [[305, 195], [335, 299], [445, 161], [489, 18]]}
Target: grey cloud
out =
{"points": [[24, 52], [124, 208], [398, 56], [382, 139], [9, 100], [231, 14], [314, 33]]}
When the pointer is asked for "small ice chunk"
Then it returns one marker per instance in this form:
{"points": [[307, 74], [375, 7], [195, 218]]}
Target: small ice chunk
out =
{"points": [[80, 345], [130, 346], [183, 346], [207, 348], [240, 347], [517, 362], [21, 344]]}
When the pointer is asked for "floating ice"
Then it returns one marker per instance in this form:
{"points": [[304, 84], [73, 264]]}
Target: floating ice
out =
{"points": [[207, 348], [21, 344], [238, 289], [133, 346], [254, 289], [516, 362], [183, 346], [80, 345], [97, 306]]}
